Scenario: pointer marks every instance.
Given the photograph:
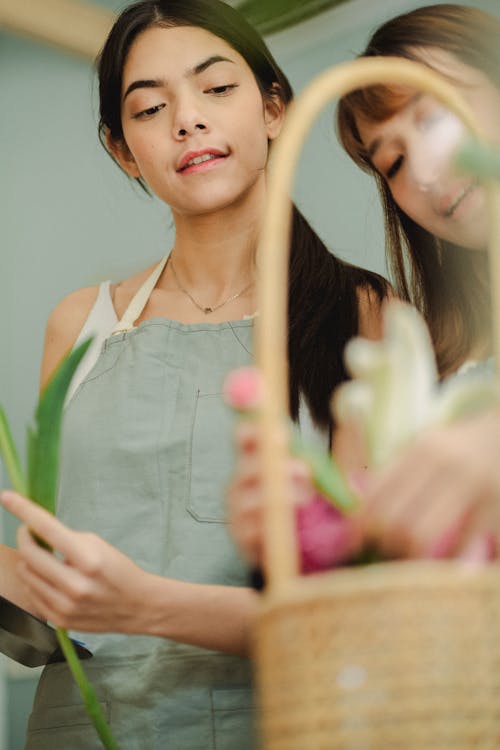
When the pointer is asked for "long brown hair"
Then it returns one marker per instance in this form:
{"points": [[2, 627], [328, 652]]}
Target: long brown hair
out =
{"points": [[323, 290], [447, 283]]}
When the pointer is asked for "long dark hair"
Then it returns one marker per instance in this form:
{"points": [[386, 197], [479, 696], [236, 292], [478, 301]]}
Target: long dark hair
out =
{"points": [[323, 290], [448, 283]]}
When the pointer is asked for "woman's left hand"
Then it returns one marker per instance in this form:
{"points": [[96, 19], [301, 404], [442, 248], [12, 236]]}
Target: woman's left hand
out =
{"points": [[88, 586]]}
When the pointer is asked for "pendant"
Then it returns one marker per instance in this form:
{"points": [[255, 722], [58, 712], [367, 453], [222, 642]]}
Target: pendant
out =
{"points": [[207, 310]]}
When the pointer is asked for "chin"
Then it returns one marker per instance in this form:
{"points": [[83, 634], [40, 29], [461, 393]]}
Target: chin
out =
{"points": [[478, 237]]}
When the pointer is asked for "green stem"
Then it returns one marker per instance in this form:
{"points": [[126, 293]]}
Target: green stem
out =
{"points": [[13, 466], [89, 698], [10, 456]]}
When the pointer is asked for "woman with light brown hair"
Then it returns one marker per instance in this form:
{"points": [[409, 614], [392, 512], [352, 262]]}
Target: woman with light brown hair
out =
{"points": [[435, 220]]}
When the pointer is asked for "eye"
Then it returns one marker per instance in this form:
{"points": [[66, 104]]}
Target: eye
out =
{"points": [[395, 167], [427, 122], [221, 90], [149, 112]]}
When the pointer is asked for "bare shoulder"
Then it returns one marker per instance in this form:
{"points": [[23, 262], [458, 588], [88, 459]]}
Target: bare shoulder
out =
{"points": [[63, 327], [370, 307]]}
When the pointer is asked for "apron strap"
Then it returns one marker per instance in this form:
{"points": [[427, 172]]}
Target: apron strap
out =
{"points": [[139, 300]]}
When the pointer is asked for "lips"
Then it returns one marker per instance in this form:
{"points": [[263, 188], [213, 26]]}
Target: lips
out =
{"points": [[195, 158], [450, 204]]}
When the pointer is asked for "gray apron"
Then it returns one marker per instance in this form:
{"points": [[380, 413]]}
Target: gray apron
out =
{"points": [[147, 453]]}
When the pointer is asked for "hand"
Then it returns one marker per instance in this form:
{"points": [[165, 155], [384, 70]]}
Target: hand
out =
{"points": [[441, 497], [94, 587], [325, 537], [245, 492]]}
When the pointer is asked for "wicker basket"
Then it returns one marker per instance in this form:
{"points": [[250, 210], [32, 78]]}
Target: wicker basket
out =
{"points": [[401, 656]]}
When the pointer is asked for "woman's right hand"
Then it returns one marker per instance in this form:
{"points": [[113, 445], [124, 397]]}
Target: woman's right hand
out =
{"points": [[88, 585]]}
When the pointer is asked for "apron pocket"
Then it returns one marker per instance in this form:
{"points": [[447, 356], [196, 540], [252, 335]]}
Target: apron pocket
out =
{"points": [[233, 715], [212, 458]]}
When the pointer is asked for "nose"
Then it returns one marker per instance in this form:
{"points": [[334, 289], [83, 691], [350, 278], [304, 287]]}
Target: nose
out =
{"points": [[182, 132], [188, 119], [432, 149], [425, 168]]}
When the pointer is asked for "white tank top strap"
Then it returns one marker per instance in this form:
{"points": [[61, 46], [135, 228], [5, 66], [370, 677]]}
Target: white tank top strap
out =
{"points": [[102, 317], [100, 322], [139, 300]]}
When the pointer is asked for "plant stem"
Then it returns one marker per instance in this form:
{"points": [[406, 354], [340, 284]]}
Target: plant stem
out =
{"points": [[10, 456], [89, 698]]}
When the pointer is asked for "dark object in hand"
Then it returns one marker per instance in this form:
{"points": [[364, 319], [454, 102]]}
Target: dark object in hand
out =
{"points": [[28, 640]]}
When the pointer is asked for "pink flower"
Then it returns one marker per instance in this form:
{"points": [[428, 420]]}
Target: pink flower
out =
{"points": [[327, 538], [243, 389]]}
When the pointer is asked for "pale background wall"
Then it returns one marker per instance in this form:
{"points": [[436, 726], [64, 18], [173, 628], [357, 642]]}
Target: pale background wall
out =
{"points": [[69, 218]]}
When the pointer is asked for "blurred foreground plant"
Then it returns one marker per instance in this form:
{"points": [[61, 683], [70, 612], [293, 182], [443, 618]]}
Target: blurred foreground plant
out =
{"points": [[41, 486], [395, 391]]}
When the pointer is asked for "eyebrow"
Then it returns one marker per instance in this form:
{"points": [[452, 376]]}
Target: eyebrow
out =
{"points": [[377, 142], [375, 145], [156, 83]]}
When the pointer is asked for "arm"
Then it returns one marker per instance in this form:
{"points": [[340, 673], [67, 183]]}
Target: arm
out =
{"points": [[370, 313], [63, 328], [348, 445], [99, 589], [96, 588]]}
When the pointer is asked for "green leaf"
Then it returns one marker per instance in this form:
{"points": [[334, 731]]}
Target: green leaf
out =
{"points": [[90, 701], [269, 16], [43, 440], [43, 450], [10, 456], [326, 475]]}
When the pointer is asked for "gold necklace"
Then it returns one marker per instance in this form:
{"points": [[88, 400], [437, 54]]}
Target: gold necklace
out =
{"points": [[205, 308]]}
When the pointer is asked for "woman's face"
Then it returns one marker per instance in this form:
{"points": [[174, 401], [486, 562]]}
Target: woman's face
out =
{"points": [[195, 125], [413, 151]]}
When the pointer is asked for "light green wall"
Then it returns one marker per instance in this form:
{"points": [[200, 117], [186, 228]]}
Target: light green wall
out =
{"points": [[69, 218]]}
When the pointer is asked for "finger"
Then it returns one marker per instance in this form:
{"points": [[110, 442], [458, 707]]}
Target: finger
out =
{"points": [[446, 517], [45, 565], [52, 604], [247, 436], [40, 522], [300, 483], [482, 548], [244, 504], [389, 514]]}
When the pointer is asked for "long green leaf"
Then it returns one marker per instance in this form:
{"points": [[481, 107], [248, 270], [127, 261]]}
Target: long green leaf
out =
{"points": [[90, 701], [326, 475], [10, 456], [43, 463], [43, 440]]}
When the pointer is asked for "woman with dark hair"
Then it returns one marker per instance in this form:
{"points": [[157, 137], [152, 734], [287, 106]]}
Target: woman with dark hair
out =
{"points": [[436, 223], [191, 100]]}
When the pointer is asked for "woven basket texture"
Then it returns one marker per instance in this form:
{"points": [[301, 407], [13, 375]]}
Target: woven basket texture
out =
{"points": [[396, 656]]}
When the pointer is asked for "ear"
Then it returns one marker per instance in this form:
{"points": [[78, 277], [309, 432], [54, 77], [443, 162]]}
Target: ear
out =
{"points": [[274, 112], [122, 155]]}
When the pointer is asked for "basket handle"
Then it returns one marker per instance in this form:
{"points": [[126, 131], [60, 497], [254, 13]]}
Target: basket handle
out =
{"points": [[271, 328]]}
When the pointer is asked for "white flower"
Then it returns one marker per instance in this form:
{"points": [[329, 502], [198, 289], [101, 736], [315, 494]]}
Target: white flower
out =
{"points": [[395, 391]]}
